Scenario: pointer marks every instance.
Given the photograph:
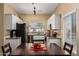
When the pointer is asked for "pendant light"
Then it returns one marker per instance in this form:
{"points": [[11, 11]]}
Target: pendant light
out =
{"points": [[34, 8]]}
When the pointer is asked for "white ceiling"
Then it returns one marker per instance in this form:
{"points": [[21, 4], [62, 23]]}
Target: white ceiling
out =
{"points": [[41, 8]]}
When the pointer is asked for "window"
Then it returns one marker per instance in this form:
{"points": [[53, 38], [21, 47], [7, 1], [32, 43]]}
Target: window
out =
{"points": [[36, 27], [70, 29]]}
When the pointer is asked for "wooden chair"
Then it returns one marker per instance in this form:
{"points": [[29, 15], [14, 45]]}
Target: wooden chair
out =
{"points": [[68, 48], [6, 49]]}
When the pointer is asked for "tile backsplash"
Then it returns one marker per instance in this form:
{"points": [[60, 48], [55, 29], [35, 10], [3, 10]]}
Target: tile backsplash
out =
{"points": [[6, 33]]}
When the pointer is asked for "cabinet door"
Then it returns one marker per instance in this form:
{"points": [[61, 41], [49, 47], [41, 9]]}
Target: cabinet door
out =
{"points": [[14, 21], [7, 22], [56, 41], [57, 21], [54, 20], [18, 20], [13, 42], [10, 22]]}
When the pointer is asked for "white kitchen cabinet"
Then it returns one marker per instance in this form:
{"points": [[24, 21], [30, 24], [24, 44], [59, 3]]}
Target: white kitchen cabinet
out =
{"points": [[54, 20], [10, 21], [57, 21], [14, 42], [54, 40], [18, 20]]}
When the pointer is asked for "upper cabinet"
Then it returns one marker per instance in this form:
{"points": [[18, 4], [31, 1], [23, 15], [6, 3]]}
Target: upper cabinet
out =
{"points": [[10, 21], [18, 20], [55, 21]]}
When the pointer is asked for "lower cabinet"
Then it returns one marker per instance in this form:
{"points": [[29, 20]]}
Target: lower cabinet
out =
{"points": [[54, 40], [13, 42]]}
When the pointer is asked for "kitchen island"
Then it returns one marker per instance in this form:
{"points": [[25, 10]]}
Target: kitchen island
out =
{"points": [[14, 42]]}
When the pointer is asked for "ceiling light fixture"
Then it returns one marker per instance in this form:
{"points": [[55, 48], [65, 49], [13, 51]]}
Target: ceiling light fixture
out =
{"points": [[34, 8]]}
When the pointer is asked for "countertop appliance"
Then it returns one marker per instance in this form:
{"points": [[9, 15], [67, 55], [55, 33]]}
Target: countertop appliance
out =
{"points": [[13, 33]]}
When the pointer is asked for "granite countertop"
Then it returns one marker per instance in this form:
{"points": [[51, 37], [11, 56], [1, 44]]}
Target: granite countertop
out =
{"points": [[54, 38], [8, 37], [13, 38]]}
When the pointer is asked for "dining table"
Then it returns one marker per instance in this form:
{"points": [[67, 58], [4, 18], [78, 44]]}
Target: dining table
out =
{"points": [[28, 50]]}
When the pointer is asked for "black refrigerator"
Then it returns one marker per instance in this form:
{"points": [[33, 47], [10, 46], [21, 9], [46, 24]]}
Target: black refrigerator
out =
{"points": [[21, 32]]}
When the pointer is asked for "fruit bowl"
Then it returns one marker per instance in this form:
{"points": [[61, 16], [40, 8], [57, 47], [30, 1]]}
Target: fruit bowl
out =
{"points": [[38, 47]]}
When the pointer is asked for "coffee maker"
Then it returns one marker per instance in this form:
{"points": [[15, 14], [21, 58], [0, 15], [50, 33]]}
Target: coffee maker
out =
{"points": [[13, 33]]}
